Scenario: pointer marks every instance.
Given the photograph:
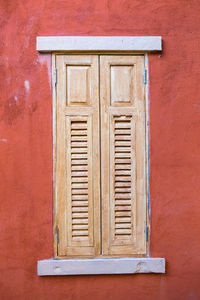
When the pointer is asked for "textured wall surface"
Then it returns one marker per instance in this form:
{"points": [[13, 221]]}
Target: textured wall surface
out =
{"points": [[26, 145]]}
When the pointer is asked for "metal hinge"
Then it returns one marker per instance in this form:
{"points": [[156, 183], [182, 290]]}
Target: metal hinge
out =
{"points": [[147, 233], [57, 234], [145, 76], [55, 76]]}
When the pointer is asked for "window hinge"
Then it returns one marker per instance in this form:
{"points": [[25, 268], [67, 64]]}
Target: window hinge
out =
{"points": [[147, 233], [145, 76], [57, 234], [55, 76]]}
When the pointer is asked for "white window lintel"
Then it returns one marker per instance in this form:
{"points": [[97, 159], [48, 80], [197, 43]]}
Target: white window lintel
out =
{"points": [[99, 43]]}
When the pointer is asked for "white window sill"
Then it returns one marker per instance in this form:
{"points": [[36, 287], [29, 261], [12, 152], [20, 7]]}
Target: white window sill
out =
{"points": [[96, 266]]}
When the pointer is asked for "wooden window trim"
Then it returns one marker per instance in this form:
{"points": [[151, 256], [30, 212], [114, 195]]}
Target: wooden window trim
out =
{"points": [[54, 150]]}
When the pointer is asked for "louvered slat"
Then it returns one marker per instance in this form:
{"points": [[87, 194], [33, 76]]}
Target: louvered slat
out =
{"points": [[79, 174], [123, 179]]}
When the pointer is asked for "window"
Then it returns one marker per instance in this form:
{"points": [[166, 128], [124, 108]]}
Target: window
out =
{"points": [[100, 156]]}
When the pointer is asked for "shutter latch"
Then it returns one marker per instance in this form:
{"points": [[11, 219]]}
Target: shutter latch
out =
{"points": [[147, 233], [55, 76], [57, 234], [145, 76]]}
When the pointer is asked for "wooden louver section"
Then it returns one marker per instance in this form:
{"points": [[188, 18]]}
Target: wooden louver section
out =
{"points": [[80, 201], [123, 165], [79, 182]]}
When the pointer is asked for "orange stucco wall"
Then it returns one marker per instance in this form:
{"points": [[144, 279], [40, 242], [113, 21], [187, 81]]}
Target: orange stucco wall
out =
{"points": [[26, 145]]}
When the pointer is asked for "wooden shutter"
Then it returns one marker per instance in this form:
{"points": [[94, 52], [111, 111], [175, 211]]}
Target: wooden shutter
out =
{"points": [[77, 156], [123, 155]]}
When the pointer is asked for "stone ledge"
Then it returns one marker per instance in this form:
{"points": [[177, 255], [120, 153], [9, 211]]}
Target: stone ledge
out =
{"points": [[99, 43], [100, 266]]}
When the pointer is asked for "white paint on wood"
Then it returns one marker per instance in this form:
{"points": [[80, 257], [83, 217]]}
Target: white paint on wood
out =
{"points": [[27, 85], [100, 266], [99, 43]]}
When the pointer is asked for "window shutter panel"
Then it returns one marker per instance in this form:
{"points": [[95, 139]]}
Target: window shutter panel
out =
{"points": [[123, 155], [77, 155]]}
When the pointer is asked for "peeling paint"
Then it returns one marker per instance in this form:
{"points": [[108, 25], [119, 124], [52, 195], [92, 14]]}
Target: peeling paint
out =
{"points": [[139, 267]]}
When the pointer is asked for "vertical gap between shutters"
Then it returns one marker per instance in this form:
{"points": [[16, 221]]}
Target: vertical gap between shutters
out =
{"points": [[100, 156], [147, 146]]}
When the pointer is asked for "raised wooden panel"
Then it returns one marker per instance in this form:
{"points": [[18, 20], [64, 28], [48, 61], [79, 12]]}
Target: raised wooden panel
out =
{"points": [[78, 85], [122, 85], [77, 188], [123, 155]]}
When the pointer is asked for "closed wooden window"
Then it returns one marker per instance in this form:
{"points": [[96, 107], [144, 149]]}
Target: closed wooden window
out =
{"points": [[100, 183]]}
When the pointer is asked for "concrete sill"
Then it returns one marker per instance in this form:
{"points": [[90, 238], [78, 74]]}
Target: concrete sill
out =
{"points": [[97, 266]]}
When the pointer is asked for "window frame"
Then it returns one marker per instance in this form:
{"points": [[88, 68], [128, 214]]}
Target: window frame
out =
{"points": [[54, 105]]}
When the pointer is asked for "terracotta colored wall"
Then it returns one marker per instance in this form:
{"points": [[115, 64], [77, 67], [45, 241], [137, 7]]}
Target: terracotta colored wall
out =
{"points": [[26, 145]]}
